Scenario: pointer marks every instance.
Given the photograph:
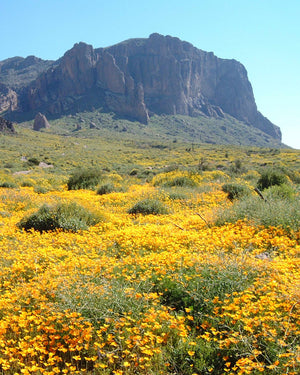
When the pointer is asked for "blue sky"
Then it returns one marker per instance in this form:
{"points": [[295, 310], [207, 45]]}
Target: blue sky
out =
{"points": [[264, 35]]}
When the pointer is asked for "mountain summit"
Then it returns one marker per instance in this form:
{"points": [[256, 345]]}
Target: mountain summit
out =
{"points": [[137, 78]]}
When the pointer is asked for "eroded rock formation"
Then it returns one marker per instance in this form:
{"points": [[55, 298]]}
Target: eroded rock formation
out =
{"points": [[6, 126], [40, 122], [140, 77]]}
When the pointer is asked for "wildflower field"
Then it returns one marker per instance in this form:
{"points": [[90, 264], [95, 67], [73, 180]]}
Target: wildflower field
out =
{"points": [[167, 280]]}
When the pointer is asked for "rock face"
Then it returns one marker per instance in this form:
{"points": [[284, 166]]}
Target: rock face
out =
{"points": [[15, 74], [6, 126], [40, 122], [141, 77], [8, 99]]}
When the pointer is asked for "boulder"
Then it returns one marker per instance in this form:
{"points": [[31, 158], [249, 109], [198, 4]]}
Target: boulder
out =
{"points": [[40, 122], [6, 126]]}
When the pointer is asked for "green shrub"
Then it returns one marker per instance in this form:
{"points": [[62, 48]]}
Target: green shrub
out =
{"points": [[87, 178], [27, 183], [65, 216], [182, 181], [177, 196], [105, 189], [8, 184], [235, 191], [33, 161], [271, 177], [133, 172], [148, 207], [275, 211], [283, 191], [40, 190], [237, 167]]}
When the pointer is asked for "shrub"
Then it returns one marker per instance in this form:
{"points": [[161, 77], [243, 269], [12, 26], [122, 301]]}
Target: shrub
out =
{"points": [[283, 191], [133, 172], [87, 178], [65, 216], [106, 189], [27, 183], [40, 190], [181, 181], [235, 191], [237, 167], [177, 196], [148, 207], [279, 212], [33, 161], [271, 177], [8, 184]]}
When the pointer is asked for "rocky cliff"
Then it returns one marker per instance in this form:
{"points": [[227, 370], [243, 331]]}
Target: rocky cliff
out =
{"points": [[140, 77]]}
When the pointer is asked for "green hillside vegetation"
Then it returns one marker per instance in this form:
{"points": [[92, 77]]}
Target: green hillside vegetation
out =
{"points": [[98, 140], [200, 129]]}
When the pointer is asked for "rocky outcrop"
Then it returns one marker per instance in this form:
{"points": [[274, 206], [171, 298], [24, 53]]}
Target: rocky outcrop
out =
{"points": [[8, 99], [40, 122], [140, 77], [6, 126]]}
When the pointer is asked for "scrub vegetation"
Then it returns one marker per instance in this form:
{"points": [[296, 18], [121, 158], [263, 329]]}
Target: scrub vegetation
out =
{"points": [[128, 256]]}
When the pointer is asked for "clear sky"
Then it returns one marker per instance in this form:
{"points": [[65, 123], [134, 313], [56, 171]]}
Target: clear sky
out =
{"points": [[264, 35]]}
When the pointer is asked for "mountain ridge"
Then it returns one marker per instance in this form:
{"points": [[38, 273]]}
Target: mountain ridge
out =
{"points": [[138, 78]]}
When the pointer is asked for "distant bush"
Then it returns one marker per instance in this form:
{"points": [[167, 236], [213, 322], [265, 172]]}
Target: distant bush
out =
{"points": [[133, 172], [181, 181], [235, 191], [40, 190], [148, 207], [237, 167], [33, 161], [8, 165], [8, 184], [87, 178], [106, 189], [27, 183], [65, 216], [282, 191], [177, 196], [276, 211], [271, 177]]}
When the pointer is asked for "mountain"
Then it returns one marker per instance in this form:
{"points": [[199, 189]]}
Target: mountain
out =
{"points": [[136, 79]]}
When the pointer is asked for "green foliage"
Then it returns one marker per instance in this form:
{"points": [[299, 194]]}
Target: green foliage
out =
{"points": [[195, 292], [27, 183], [176, 195], [271, 177], [148, 207], [33, 162], [235, 191], [84, 178], [65, 216], [8, 184], [282, 191], [106, 188], [237, 167], [276, 211], [182, 181], [40, 189]]}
